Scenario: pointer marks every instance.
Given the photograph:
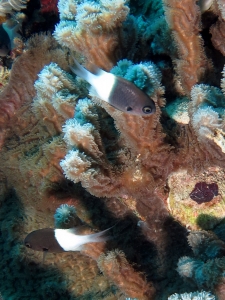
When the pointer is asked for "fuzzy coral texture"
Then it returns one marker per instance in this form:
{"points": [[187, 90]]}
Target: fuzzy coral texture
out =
{"points": [[8, 6], [61, 145]]}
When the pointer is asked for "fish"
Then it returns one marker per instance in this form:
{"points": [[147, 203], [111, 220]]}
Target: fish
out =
{"points": [[62, 240], [205, 5], [120, 93]]}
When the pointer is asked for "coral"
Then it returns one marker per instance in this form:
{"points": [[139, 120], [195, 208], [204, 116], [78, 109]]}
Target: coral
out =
{"points": [[115, 266], [68, 276], [60, 142], [92, 29], [82, 133], [217, 29], [4, 76], [146, 75], [206, 111], [20, 87], [184, 20], [195, 296], [8, 6], [56, 95], [90, 162], [207, 267], [66, 217], [189, 212], [178, 110]]}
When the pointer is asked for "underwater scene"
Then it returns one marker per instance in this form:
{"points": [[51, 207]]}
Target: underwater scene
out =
{"points": [[112, 149]]}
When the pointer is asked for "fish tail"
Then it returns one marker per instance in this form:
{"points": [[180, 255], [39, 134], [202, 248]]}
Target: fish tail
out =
{"points": [[101, 236], [82, 72]]}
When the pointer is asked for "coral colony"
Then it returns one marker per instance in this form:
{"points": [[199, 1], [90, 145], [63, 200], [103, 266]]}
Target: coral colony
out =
{"points": [[74, 162]]}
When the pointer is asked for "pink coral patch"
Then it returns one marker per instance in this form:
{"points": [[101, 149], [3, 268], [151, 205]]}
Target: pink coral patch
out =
{"points": [[49, 6]]}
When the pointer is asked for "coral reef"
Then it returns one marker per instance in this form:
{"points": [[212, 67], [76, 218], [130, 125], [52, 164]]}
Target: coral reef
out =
{"points": [[157, 181]]}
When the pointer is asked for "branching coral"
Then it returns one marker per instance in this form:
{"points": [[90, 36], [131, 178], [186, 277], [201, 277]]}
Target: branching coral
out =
{"points": [[127, 159], [56, 95], [92, 29], [207, 113], [184, 20], [93, 161], [20, 87], [112, 175], [217, 29], [115, 266]]}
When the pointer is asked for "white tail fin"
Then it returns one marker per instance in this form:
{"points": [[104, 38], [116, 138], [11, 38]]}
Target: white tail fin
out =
{"points": [[98, 237], [82, 72], [69, 240]]}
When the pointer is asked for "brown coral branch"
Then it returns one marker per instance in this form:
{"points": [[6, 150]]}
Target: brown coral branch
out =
{"points": [[217, 30], [41, 50], [183, 18], [115, 266], [103, 56]]}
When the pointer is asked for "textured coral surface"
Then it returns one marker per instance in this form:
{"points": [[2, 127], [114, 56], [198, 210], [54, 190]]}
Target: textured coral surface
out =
{"points": [[157, 181]]}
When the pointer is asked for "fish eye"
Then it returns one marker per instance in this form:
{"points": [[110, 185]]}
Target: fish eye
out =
{"points": [[45, 249], [129, 108], [147, 109], [28, 245]]}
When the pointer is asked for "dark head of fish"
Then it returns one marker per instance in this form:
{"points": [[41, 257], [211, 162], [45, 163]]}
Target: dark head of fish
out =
{"points": [[43, 240], [127, 97]]}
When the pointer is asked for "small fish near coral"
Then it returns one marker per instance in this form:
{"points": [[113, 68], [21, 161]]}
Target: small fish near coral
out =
{"points": [[204, 192], [61, 240], [118, 92]]}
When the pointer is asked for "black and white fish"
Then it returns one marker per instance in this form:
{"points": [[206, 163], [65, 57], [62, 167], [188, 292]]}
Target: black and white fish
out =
{"points": [[61, 240], [118, 92]]}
